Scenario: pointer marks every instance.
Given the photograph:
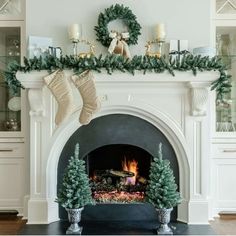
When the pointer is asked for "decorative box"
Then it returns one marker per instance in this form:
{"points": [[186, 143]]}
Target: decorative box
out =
{"points": [[178, 47]]}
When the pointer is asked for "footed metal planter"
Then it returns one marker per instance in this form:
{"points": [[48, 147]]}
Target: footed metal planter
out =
{"points": [[74, 217], [164, 219]]}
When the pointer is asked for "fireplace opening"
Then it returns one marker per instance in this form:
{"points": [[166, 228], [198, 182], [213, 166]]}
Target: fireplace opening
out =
{"points": [[118, 173]]}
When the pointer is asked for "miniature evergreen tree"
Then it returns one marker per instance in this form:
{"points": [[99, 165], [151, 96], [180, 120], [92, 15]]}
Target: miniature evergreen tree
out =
{"points": [[75, 191], [162, 189]]}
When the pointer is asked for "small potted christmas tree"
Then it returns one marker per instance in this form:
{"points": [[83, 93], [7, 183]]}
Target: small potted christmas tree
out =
{"points": [[162, 191], [75, 191]]}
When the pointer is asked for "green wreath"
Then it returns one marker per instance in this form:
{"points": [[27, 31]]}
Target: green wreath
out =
{"points": [[113, 13]]}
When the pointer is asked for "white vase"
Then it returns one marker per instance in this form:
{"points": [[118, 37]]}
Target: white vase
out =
{"points": [[164, 219], [74, 217]]}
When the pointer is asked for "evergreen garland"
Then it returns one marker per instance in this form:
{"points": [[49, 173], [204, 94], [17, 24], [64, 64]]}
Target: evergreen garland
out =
{"points": [[162, 189], [113, 63], [75, 191], [113, 13]]}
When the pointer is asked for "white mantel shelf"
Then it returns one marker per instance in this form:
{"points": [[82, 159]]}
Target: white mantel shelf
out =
{"points": [[34, 79], [176, 105]]}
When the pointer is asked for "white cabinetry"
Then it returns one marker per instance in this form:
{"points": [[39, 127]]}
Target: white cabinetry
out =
{"points": [[13, 154], [223, 151], [12, 178]]}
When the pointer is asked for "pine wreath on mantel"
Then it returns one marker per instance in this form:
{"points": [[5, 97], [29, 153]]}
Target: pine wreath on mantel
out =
{"points": [[113, 13], [112, 63]]}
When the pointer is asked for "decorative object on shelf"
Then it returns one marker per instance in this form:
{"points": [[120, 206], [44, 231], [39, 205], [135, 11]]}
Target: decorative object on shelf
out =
{"points": [[130, 36], [12, 125], [118, 44], [74, 36], [62, 91], [112, 63], [160, 41], [159, 51], [178, 48], [13, 46], [225, 127], [14, 104], [162, 191], [55, 51], [91, 52], [205, 51], [75, 191], [160, 32], [39, 46], [84, 82]]}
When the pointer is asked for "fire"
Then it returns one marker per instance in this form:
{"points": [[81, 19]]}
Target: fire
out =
{"points": [[131, 166]]}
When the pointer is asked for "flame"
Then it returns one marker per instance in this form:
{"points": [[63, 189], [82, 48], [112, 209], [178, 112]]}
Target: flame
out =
{"points": [[131, 166]]}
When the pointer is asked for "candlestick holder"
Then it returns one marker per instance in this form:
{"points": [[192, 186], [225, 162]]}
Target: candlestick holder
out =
{"points": [[75, 47], [160, 43], [88, 54]]}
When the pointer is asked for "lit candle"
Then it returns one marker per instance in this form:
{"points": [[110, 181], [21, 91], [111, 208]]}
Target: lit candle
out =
{"points": [[73, 31], [160, 31]]}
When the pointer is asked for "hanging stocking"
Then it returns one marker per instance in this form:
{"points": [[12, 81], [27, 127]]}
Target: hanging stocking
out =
{"points": [[91, 103], [62, 91]]}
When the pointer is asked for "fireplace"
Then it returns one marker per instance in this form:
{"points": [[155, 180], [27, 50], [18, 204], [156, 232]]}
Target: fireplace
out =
{"points": [[117, 154], [174, 110], [118, 173]]}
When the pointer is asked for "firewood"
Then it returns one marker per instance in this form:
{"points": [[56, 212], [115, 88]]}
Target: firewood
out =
{"points": [[122, 173]]}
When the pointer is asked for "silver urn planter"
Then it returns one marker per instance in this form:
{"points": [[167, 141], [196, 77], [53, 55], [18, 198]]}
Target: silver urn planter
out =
{"points": [[164, 219], [74, 217]]}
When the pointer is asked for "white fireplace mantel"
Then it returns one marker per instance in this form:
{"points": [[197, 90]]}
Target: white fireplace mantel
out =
{"points": [[178, 106]]}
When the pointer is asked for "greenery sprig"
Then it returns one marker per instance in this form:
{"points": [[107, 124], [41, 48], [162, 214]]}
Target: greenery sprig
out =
{"points": [[112, 63], [113, 13]]}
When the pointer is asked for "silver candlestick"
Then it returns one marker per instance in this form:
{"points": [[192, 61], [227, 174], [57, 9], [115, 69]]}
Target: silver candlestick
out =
{"points": [[75, 47], [160, 43]]}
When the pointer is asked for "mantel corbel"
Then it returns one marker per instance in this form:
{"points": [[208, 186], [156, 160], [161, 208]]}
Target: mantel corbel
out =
{"points": [[36, 102], [199, 97], [35, 85]]}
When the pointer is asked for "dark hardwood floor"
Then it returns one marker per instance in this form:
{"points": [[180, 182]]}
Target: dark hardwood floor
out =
{"points": [[17, 226]]}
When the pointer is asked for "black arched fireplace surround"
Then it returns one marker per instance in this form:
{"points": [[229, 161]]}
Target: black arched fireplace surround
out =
{"points": [[109, 143]]}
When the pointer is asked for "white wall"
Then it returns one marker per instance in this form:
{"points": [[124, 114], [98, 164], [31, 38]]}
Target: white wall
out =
{"points": [[184, 19]]}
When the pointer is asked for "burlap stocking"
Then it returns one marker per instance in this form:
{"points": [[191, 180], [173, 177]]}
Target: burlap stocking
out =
{"points": [[91, 103], [62, 91]]}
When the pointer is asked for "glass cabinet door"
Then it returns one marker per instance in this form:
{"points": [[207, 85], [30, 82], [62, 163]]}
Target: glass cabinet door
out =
{"points": [[226, 49], [10, 102], [12, 9], [225, 7]]}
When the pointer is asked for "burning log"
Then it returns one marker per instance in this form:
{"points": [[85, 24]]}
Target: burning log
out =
{"points": [[113, 173], [121, 173]]}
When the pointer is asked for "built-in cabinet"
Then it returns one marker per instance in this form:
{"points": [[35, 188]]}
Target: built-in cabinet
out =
{"points": [[224, 112], [13, 154]]}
